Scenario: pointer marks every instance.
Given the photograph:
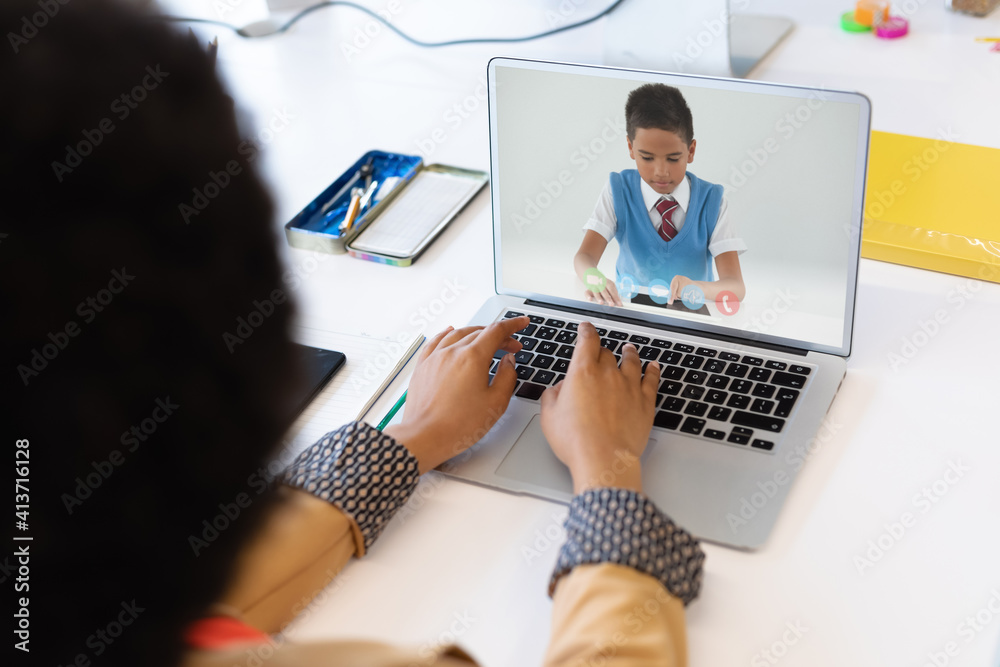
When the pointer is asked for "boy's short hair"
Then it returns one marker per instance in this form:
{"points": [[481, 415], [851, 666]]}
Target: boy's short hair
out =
{"points": [[657, 105]]}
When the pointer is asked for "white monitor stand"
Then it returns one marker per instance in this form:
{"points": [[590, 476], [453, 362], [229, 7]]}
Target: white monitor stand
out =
{"points": [[690, 37]]}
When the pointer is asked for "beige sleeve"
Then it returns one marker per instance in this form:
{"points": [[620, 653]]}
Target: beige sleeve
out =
{"points": [[612, 615]]}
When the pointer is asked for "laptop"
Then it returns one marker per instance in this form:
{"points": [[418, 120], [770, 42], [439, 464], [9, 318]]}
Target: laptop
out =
{"points": [[745, 383]]}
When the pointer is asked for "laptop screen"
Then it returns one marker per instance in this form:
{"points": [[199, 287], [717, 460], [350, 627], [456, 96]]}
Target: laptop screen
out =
{"points": [[730, 207]]}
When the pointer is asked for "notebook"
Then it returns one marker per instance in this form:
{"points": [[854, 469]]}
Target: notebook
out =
{"points": [[774, 185]]}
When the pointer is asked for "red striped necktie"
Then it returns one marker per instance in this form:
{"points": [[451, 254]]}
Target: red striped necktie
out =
{"points": [[666, 207]]}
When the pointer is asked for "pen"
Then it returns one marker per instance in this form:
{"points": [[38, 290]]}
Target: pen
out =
{"points": [[392, 413], [988, 39]]}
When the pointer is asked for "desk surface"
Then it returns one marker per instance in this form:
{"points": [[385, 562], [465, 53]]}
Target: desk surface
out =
{"points": [[471, 564]]}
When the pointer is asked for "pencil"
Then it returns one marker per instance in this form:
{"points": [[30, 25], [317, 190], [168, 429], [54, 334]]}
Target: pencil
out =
{"points": [[392, 413]]}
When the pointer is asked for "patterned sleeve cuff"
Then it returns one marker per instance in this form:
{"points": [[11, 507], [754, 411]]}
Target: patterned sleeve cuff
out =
{"points": [[365, 473], [626, 528]]}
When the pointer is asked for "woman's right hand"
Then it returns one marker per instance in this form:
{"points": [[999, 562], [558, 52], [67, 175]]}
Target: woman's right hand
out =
{"points": [[598, 419]]}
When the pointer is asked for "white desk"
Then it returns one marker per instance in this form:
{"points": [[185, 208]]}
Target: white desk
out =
{"points": [[454, 569]]}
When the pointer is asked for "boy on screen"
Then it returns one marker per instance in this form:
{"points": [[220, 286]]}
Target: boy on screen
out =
{"points": [[669, 223]]}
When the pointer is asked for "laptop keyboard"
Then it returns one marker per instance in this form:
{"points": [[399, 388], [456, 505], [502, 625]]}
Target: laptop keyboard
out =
{"points": [[706, 391]]}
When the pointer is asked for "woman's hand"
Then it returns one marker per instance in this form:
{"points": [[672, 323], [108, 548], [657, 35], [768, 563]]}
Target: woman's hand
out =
{"points": [[598, 419], [450, 402]]}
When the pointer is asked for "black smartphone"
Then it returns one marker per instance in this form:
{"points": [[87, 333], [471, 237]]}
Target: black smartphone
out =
{"points": [[319, 367]]}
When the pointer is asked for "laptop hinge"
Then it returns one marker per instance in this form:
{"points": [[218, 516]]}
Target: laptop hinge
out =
{"points": [[667, 327]]}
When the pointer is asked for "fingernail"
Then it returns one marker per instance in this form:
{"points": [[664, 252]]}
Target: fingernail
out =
{"points": [[509, 358]]}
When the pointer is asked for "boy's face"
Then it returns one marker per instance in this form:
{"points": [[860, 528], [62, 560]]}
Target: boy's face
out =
{"points": [[661, 157]]}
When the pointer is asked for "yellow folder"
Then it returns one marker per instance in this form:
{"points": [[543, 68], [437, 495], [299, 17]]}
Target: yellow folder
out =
{"points": [[933, 204]]}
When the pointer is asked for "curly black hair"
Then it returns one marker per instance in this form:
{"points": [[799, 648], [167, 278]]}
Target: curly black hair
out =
{"points": [[143, 426]]}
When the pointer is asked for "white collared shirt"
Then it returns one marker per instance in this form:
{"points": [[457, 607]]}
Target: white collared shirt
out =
{"points": [[604, 221]]}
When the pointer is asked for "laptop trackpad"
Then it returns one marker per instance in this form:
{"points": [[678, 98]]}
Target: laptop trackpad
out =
{"points": [[531, 460]]}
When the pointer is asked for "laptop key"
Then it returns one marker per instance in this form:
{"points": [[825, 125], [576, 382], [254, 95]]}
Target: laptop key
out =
{"points": [[683, 347], [546, 333], [561, 366], [715, 366], [559, 378], [762, 444], [536, 319], [741, 386], [693, 392], [511, 313], [706, 351], [618, 335], [784, 409], [776, 365], [670, 357], [759, 375], [544, 377], [660, 343], [696, 408], [528, 343], [669, 420], [788, 380], [753, 361], [493, 366], [565, 337], [763, 390], [693, 425], [787, 395], [541, 361], [529, 330], [719, 414], [692, 361], [565, 351], [609, 344], [523, 357], [738, 401], [737, 370], [717, 381], [762, 422], [674, 404], [638, 340], [695, 377], [525, 372], [530, 391], [729, 356], [801, 370], [558, 324], [670, 388], [649, 353], [547, 347], [763, 406], [740, 436], [716, 396], [671, 372], [715, 435], [572, 326], [601, 332]]}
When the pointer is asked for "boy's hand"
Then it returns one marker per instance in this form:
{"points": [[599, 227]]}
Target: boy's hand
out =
{"points": [[450, 397], [598, 419], [608, 296], [677, 285]]}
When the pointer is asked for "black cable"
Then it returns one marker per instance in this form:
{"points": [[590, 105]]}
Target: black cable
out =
{"points": [[333, 3]]}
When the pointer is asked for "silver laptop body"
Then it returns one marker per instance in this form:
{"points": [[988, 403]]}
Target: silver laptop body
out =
{"points": [[793, 162]]}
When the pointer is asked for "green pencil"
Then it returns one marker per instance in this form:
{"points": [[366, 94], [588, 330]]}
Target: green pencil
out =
{"points": [[392, 413]]}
